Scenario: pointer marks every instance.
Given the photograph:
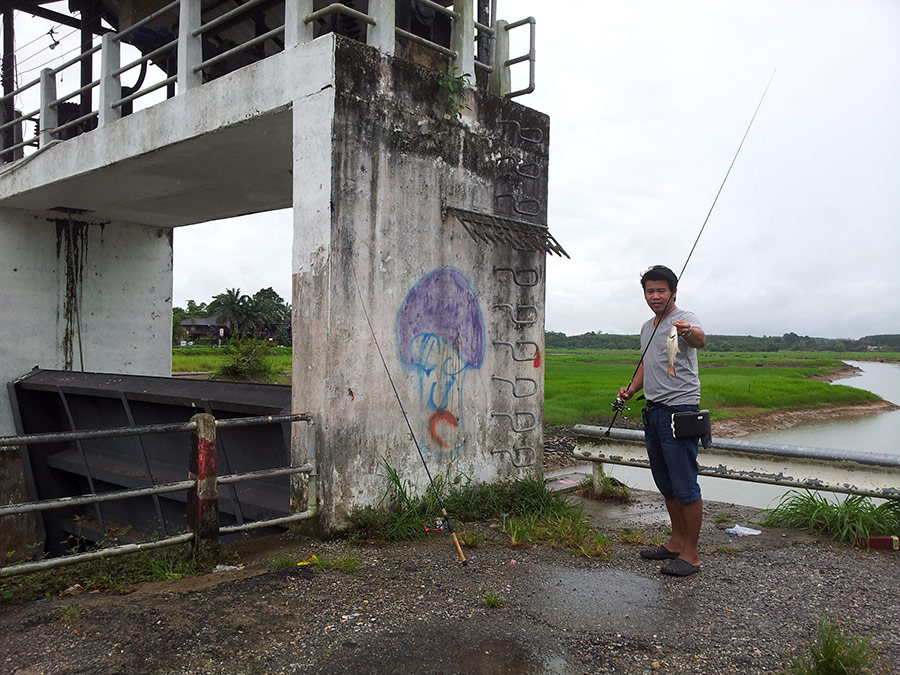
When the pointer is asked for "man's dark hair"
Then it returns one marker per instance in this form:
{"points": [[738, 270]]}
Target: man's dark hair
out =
{"points": [[660, 273]]}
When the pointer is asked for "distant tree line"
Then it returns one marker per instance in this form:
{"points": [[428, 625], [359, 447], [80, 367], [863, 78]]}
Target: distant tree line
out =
{"points": [[732, 343], [263, 315]]}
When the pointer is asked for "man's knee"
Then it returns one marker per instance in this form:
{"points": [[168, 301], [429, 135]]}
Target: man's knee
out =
{"points": [[686, 496]]}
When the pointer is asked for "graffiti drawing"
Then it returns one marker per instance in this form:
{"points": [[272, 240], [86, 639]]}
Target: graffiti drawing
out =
{"points": [[440, 333]]}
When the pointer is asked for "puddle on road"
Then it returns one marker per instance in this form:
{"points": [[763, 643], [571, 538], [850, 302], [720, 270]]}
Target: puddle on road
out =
{"points": [[501, 657], [600, 599]]}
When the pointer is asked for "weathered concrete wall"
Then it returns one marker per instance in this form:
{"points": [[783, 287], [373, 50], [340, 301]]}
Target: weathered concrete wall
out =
{"points": [[83, 296], [374, 242], [80, 296]]}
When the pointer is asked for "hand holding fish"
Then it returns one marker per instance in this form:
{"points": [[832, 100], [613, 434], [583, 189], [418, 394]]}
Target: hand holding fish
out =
{"points": [[682, 327]]}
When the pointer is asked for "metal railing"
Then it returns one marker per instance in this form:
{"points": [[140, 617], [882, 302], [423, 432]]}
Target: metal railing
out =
{"points": [[201, 487], [845, 471], [529, 56], [184, 54]]}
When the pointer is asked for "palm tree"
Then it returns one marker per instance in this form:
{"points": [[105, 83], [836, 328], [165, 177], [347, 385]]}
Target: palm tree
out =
{"points": [[232, 309]]}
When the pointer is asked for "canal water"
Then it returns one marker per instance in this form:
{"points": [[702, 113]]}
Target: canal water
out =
{"points": [[873, 433]]}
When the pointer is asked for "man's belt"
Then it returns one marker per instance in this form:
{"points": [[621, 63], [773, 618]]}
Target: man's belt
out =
{"points": [[653, 405]]}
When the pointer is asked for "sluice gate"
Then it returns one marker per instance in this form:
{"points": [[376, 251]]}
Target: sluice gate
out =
{"points": [[46, 401]]}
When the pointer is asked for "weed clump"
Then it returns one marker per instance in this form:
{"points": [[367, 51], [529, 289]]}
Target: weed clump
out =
{"points": [[848, 522], [606, 488], [834, 649], [492, 598]]}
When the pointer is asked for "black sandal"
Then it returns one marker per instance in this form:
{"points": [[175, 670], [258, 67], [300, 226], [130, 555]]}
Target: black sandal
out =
{"points": [[659, 553]]}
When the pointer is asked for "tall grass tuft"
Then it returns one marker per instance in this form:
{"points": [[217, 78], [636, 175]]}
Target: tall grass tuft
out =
{"points": [[847, 522], [834, 650], [530, 512], [607, 488]]}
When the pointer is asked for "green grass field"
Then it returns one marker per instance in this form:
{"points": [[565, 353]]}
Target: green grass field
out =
{"points": [[580, 385]]}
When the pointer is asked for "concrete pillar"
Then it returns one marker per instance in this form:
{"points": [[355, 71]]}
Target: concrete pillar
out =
{"points": [[382, 34], [296, 30], [110, 87], [462, 37], [380, 271], [190, 48], [49, 114], [313, 118], [500, 82]]}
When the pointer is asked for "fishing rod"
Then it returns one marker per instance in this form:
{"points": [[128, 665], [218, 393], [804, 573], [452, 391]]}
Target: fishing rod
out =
{"points": [[409, 426], [619, 404]]}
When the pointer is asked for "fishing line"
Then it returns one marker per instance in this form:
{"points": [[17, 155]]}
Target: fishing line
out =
{"points": [[619, 405], [409, 426]]}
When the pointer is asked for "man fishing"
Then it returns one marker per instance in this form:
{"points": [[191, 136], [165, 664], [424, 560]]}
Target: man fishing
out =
{"points": [[668, 375]]}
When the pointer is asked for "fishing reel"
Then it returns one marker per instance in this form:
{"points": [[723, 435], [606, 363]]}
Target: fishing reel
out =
{"points": [[619, 406]]}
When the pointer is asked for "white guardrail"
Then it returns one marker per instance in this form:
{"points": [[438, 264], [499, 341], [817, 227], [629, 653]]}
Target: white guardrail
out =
{"points": [[851, 472]]}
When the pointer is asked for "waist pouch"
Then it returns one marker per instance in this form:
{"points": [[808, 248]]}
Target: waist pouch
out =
{"points": [[693, 424]]}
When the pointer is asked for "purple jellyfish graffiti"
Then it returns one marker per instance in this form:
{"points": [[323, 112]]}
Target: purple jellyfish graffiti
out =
{"points": [[440, 331]]}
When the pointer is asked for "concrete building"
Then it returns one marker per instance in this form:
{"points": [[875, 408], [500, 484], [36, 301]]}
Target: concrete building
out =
{"points": [[420, 236]]}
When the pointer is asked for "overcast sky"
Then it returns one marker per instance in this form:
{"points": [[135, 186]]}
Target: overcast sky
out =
{"points": [[648, 101]]}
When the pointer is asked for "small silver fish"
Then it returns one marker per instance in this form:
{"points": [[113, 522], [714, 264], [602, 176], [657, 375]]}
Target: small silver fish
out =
{"points": [[672, 348]]}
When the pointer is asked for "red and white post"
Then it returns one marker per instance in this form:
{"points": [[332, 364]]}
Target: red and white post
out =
{"points": [[203, 499]]}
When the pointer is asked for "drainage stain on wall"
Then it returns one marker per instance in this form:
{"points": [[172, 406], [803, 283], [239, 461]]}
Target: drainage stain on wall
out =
{"points": [[71, 254]]}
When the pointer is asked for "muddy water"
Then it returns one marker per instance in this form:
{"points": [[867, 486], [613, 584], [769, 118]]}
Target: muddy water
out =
{"points": [[873, 433]]}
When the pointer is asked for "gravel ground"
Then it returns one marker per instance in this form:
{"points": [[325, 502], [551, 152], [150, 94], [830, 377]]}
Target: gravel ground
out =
{"points": [[412, 607]]}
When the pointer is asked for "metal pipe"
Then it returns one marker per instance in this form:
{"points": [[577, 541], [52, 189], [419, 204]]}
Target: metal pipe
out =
{"points": [[340, 9], [257, 524], [219, 20], [440, 9], [16, 92], [240, 48], [52, 563], [147, 19], [162, 488], [169, 46], [21, 118], [46, 505], [806, 452], [262, 419], [265, 473], [12, 148], [485, 29], [145, 90], [73, 94], [72, 123], [428, 43], [90, 52], [116, 432], [530, 57], [844, 471]]}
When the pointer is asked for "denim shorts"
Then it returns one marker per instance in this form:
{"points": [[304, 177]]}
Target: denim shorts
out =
{"points": [[673, 461]]}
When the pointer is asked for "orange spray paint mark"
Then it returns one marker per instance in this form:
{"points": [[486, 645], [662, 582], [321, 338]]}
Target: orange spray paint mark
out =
{"points": [[438, 417], [537, 359]]}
